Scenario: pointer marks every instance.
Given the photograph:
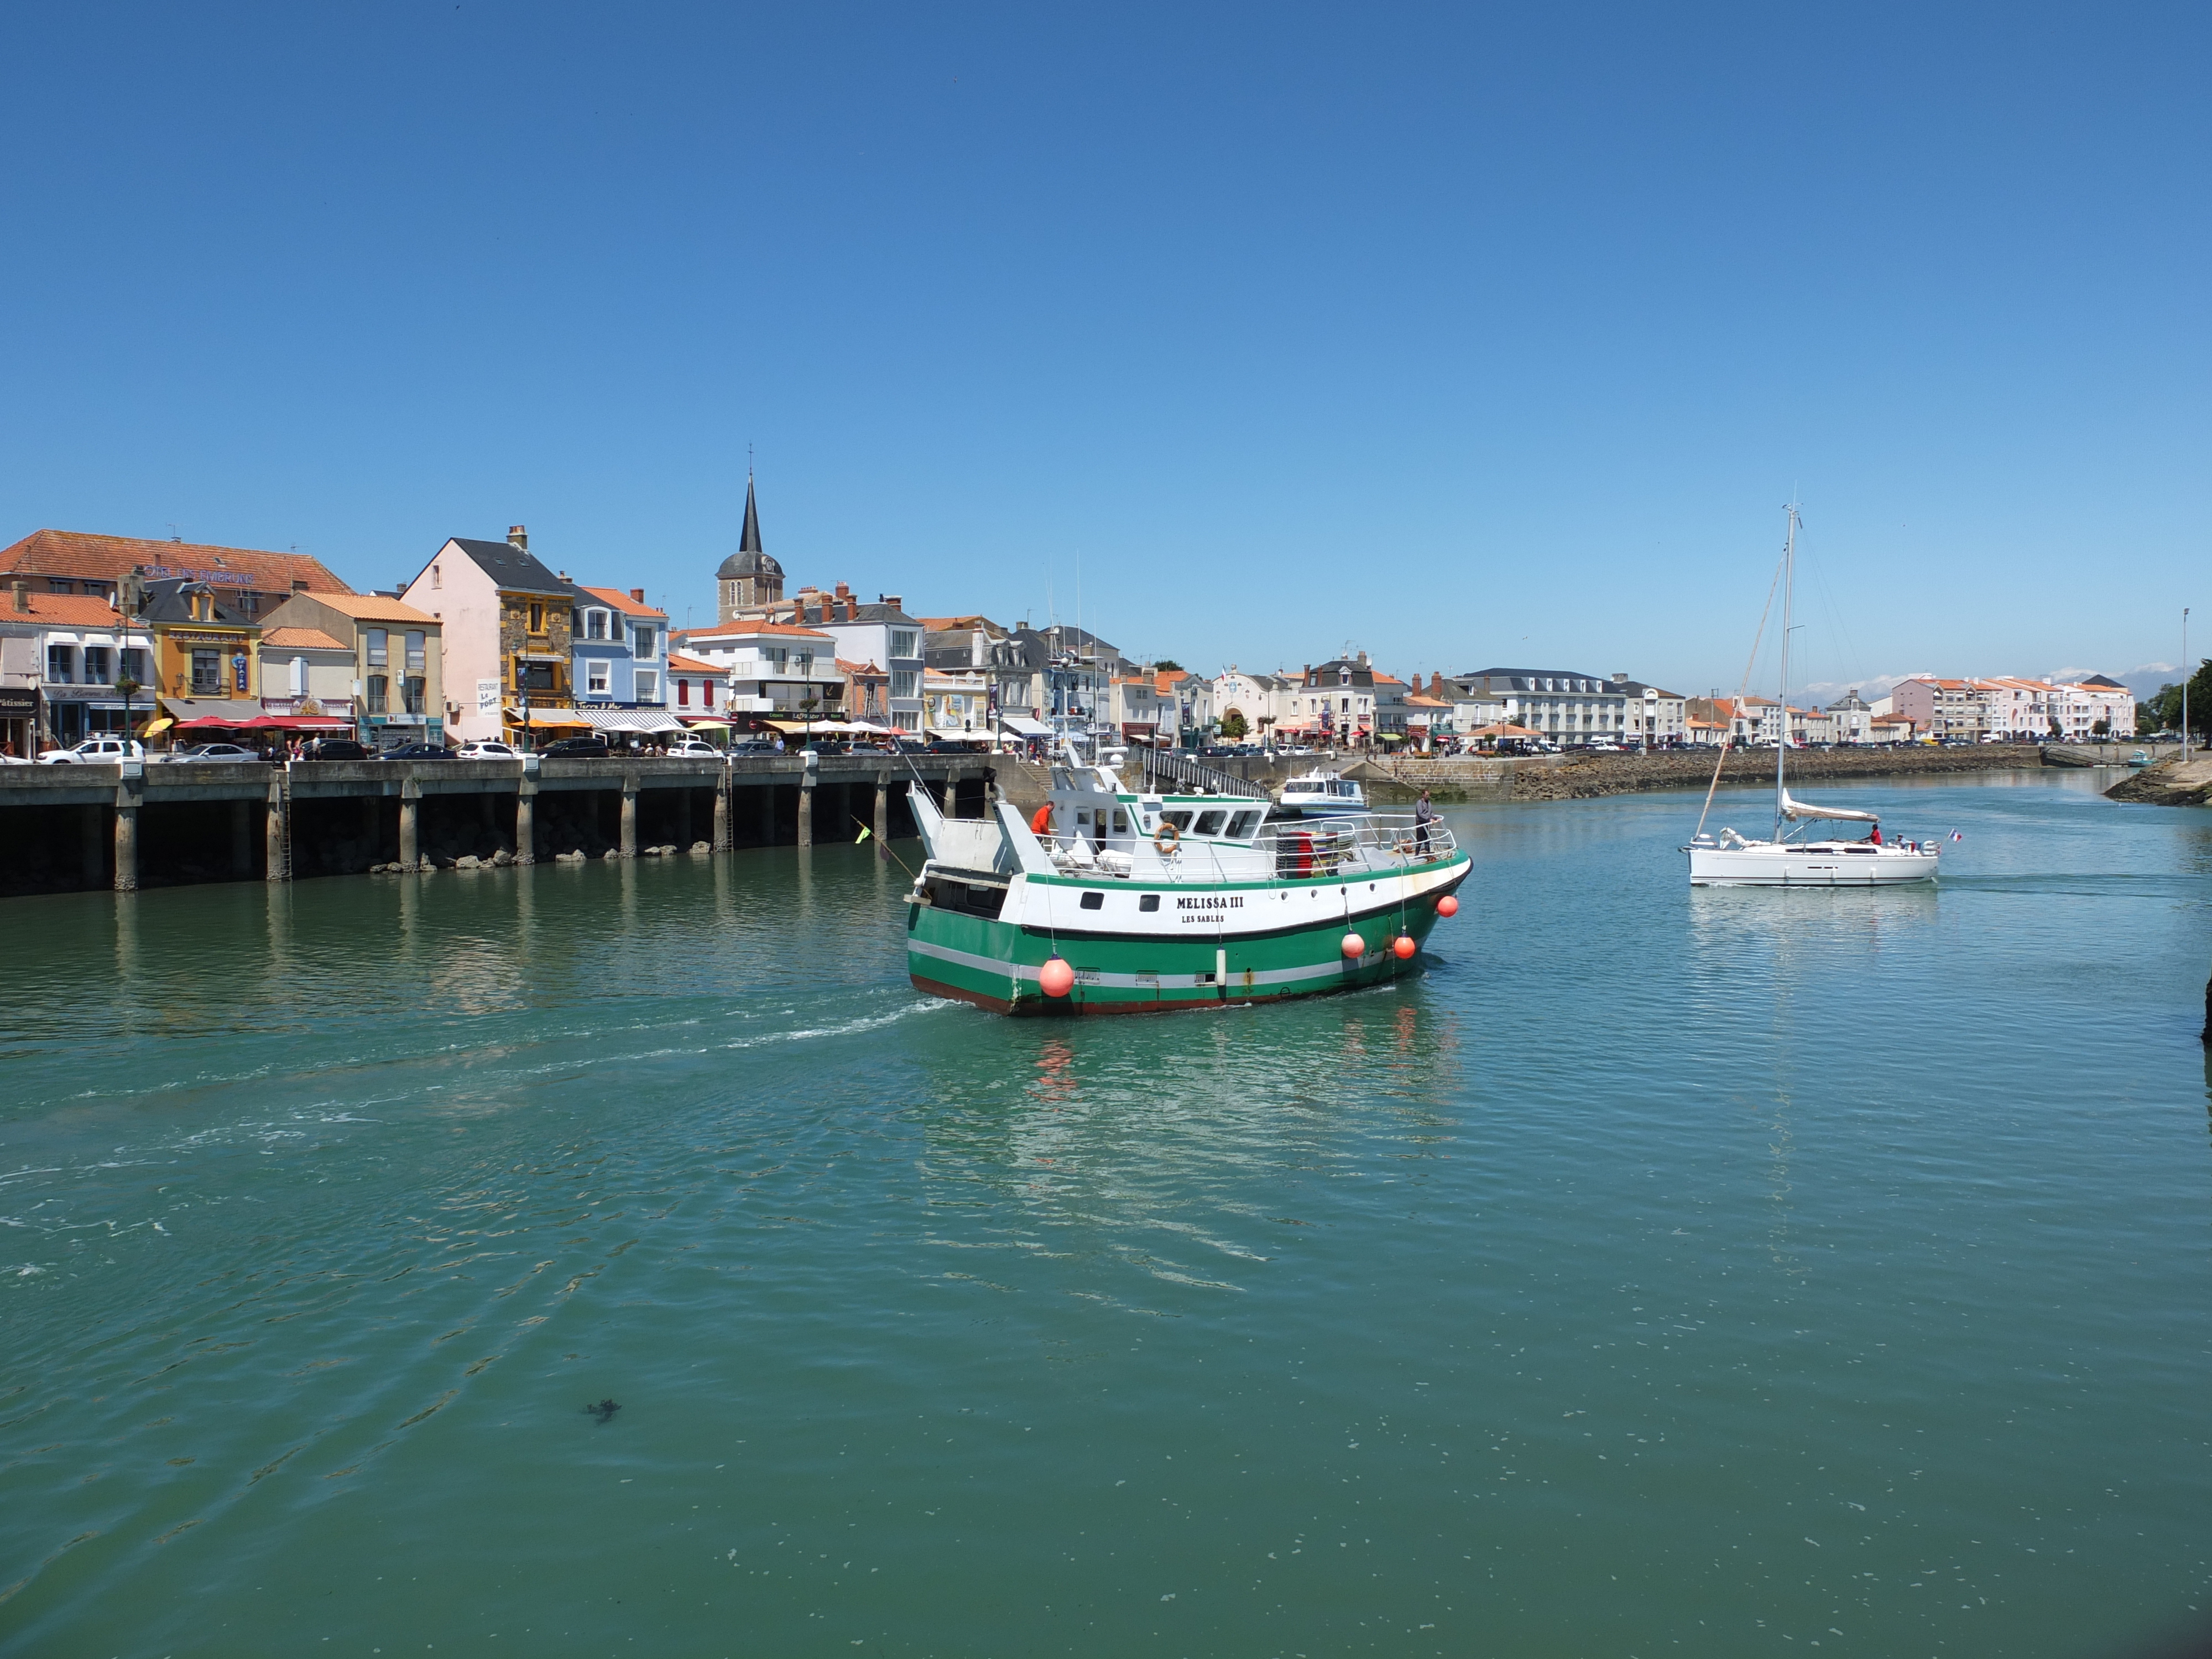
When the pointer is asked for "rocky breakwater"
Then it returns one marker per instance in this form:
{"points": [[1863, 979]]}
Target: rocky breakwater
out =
{"points": [[1581, 776], [2174, 782]]}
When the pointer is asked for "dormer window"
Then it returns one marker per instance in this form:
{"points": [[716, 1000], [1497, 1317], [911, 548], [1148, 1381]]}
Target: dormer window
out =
{"points": [[595, 624]]}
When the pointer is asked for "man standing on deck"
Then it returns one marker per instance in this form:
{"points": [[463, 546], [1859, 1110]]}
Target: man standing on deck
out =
{"points": [[1423, 816]]}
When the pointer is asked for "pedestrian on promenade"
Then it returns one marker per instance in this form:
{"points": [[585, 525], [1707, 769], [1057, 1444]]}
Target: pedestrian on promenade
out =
{"points": [[1423, 816]]}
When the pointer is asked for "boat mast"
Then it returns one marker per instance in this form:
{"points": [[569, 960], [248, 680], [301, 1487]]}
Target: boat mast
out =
{"points": [[1782, 715]]}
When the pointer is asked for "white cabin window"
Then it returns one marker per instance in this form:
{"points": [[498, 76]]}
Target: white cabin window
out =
{"points": [[1209, 823]]}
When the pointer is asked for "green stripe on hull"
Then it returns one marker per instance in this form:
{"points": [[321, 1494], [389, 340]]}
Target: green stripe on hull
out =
{"points": [[995, 964]]}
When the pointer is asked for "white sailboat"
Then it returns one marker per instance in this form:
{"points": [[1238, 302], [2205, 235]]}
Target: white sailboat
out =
{"points": [[1733, 859]]}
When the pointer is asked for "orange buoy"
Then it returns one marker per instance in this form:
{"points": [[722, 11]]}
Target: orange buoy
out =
{"points": [[1056, 978], [1354, 946], [1448, 906], [1404, 945]]}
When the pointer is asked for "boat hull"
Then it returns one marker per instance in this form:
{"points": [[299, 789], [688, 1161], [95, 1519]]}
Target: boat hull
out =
{"points": [[994, 964], [1810, 866]]}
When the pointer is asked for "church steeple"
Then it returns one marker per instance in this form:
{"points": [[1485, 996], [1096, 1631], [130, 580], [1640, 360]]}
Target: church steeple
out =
{"points": [[749, 581], [750, 540]]}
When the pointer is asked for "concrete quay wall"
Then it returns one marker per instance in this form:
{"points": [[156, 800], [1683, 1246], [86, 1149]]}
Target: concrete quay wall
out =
{"points": [[74, 827]]}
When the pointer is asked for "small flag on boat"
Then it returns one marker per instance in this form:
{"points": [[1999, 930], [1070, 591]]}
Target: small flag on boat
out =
{"points": [[1955, 836], [862, 836]]}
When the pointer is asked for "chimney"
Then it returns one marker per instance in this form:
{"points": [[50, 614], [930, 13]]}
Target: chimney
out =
{"points": [[844, 592], [518, 538], [1621, 679], [638, 595], [892, 600], [22, 594], [1362, 660]]}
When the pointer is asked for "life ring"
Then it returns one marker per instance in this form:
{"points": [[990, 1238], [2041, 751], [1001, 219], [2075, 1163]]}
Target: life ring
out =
{"points": [[1166, 838]]}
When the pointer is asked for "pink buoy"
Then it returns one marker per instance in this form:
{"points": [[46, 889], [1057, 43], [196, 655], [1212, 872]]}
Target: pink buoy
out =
{"points": [[1354, 946], [1056, 978], [1448, 906], [1404, 945]]}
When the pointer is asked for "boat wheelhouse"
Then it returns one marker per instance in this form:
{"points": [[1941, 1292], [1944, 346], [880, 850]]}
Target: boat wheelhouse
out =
{"points": [[1119, 901]]}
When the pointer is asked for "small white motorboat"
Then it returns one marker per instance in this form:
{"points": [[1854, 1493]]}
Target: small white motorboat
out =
{"points": [[1320, 794]]}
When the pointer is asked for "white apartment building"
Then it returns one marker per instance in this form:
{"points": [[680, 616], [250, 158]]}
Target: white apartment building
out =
{"points": [[772, 671], [1567, 706], [2019, 710], [1652, 714]]}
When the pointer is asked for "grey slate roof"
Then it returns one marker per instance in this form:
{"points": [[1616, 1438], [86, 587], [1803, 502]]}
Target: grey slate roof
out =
{"points": [[164, 602], [1574, 680], [510, 568]]}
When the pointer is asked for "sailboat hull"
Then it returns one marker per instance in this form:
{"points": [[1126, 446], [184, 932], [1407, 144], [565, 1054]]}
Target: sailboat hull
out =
{"points": [[1811, 864]]}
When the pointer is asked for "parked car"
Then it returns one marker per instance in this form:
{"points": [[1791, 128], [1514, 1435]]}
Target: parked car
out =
{"points": [[753, 746], [95, 752], [487, 748], [201, 754], [578, 749], [694, 747], [418, 751], [334, 749]]}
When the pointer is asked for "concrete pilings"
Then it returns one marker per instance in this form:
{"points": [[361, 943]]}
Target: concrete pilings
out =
{"points": [[526, 822], [126, 842], [721, 841], [629, 817], [411, 824], [272, 832]]}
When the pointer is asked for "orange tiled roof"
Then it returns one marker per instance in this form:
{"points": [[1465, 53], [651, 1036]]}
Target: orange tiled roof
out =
{"points": [[622, 602], [68, 610], [684, 665], [302, 639], [868, 668], [374, 607], [77, 554], [742, 630]]}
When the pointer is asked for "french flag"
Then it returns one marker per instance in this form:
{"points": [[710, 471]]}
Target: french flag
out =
{"points": [[1955, 836]]}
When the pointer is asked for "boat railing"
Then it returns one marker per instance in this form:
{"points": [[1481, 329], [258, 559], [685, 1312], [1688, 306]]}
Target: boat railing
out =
{"points": [[1375, 841], [1379, 840], [1196, 775]]}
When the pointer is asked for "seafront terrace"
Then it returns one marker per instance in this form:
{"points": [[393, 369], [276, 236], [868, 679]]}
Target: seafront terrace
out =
{"points": [[81, 827]]}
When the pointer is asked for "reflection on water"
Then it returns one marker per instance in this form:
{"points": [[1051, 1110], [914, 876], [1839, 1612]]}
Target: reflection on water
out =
{"points": [[1701, 1268]]}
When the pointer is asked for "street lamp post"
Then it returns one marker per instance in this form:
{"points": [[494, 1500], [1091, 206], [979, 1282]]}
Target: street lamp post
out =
{"points": [[130, 600], [2185, 684]]}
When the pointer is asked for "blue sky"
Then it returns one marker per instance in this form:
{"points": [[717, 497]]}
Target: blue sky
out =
{"points": [[1464, 336]]}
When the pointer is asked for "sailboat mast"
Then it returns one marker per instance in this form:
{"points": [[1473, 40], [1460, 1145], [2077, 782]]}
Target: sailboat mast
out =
{"points": [[1782, 715]]}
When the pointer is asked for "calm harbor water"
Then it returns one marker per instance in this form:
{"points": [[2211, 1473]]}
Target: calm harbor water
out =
{"points": [[1722, 1273]]}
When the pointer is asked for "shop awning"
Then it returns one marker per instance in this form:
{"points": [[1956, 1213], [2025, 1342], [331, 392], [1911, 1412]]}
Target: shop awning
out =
{"points": [[555, 716], [631, 720], [1023, 726], [707, 722], [819, 728], [204, 712]]}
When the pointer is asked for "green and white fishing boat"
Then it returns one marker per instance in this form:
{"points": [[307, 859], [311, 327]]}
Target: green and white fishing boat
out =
{"points": [[1121, 901]]}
